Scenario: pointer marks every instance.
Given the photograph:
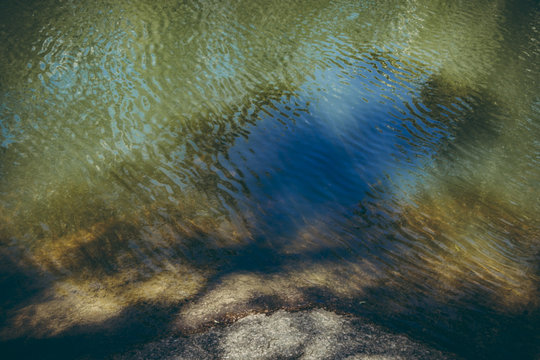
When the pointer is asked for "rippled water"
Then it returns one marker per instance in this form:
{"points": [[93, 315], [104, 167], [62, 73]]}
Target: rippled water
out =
{"points": [[169, 164]]}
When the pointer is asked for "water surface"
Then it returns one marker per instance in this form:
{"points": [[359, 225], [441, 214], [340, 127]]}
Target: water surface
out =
{"points": [[168, 165]]}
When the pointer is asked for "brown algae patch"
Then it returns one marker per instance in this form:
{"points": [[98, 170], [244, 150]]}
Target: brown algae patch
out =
{"points": [[474, 242], [93, 274], [70, 304]]}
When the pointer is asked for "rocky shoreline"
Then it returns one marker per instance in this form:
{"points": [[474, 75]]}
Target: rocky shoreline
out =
{"points": [[307, 334]]}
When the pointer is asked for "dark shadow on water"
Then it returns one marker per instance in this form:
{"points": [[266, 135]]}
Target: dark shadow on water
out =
{"points": [[479, 332], [135, 325]]}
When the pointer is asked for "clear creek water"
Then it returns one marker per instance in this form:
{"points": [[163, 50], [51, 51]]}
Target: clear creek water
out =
{"points": [[166, 165]]}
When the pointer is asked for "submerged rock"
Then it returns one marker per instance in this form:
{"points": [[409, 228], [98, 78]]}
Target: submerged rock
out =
{"points": [[313, 334]]}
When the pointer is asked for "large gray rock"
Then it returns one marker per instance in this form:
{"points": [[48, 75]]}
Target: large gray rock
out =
{"points": [[315, 334]]}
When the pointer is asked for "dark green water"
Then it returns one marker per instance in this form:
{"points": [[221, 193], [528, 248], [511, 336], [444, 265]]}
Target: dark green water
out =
{"points": [[168, 164]]}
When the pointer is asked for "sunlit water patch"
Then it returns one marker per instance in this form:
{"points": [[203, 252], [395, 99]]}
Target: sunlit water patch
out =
{"points": [[166, 166]]}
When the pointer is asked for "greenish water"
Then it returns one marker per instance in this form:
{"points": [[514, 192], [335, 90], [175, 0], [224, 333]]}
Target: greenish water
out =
{"points": [[168, 164]]}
